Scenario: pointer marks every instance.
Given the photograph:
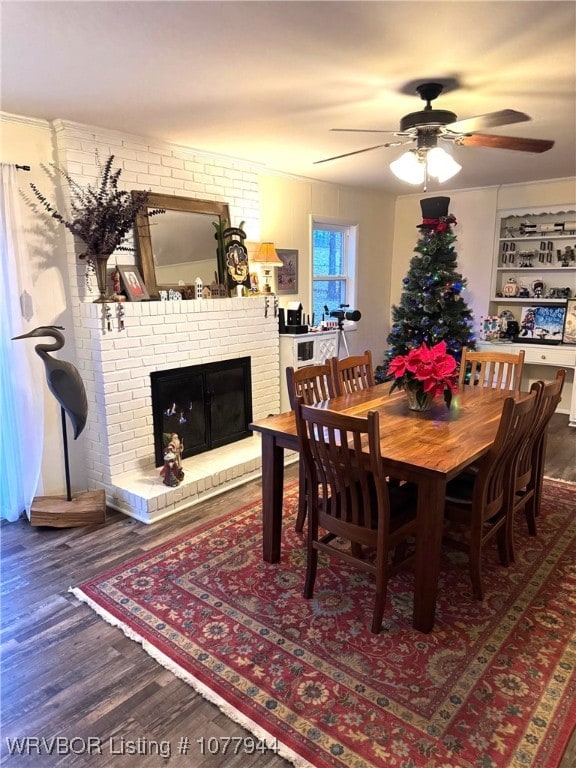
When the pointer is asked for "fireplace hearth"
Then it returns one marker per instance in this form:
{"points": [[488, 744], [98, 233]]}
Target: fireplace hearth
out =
{"points": [[208, 405]]}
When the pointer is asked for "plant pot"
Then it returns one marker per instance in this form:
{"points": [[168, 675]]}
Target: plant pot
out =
{"points": [[418, 400]]}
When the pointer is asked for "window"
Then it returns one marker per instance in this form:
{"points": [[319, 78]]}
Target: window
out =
{"points": [[333, 266]]}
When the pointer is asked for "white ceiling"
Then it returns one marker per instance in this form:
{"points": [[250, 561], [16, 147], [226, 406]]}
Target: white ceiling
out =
{"points": [[266, 81]]}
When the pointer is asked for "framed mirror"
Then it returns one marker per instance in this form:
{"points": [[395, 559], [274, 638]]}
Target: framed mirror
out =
{"points": [[176, 247]]}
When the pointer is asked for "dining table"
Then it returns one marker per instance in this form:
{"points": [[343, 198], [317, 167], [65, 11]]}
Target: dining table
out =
{"points": [[427, 448]]}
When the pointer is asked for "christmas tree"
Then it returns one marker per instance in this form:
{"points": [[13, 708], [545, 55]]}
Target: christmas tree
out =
{"points": [[431, 306]]}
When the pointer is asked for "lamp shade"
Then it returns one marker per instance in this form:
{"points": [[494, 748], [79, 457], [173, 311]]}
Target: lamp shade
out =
{"points": [[441, 164], [415, 165], [266, 254], [408, 168]]}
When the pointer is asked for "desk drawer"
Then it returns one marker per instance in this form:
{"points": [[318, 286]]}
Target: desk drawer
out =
{"points": [[550, 356]]}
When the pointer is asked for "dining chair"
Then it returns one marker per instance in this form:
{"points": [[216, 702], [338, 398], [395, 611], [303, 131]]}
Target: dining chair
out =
{"points": [[352, 373], [500, 370], [525, 479], [312, 383], [350, 500], [477, 499]]}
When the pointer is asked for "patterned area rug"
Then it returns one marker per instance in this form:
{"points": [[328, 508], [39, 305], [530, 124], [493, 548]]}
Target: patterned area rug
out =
{"points": [[492, 686]]}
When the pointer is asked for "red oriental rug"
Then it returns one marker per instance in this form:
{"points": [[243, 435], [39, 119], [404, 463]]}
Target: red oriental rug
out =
{"points": [[492, 686]]}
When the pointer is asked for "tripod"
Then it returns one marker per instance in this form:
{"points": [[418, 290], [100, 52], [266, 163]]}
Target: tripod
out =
{"points": [[342, 339]]}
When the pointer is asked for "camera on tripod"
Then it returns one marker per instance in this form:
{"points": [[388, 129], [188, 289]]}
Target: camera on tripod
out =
{"points": [[341, 315]]}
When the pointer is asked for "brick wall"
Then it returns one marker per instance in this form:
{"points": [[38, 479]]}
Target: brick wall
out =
{"points": [[116, 364]]}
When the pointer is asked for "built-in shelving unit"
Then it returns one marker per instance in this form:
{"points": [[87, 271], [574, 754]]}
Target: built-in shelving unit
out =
{"points": [[534, 265], [534, 258]]}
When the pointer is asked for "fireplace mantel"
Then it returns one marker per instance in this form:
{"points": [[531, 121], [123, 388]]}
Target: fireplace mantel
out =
{"points": [[116, 365]]}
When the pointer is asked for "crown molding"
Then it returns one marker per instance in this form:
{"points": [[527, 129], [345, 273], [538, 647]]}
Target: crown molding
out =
{"points": [[33, 122]]}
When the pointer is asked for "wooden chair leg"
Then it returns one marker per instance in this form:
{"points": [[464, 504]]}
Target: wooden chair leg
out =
{"points": [[356, 550], [510, 539], [539, 476], [475, 572], [503, 540], [311, 567], [379, 600], [302, 500], [530, 514]]}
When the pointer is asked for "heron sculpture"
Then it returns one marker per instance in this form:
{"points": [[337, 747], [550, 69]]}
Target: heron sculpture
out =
{"points": [[66, 385]]}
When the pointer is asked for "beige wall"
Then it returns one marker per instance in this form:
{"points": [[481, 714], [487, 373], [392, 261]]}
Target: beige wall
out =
{"points": [[286, 210]]}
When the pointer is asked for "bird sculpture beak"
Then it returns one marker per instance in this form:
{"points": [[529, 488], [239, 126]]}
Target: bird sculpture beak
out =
{"points": [[24, 336]]}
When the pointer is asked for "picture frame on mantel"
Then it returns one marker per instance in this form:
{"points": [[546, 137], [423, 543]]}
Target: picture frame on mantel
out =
{"points": [[569, 332], [287, 274], [132, 283]]}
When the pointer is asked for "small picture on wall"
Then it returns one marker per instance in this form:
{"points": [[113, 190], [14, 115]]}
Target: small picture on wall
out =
{"points": [[569, 334], [133, 283], [287, 274]]}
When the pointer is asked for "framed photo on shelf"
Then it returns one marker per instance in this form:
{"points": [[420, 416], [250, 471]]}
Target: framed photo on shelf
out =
{"points": [[569, 331], [542, 324], [287, 274], [132, 283]]}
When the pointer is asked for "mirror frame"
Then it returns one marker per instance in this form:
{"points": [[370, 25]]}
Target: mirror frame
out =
{"points": [[144, 240]]}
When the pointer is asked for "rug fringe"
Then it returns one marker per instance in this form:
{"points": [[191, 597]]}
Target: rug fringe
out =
{"points": [[559, 480], [206, 693]]}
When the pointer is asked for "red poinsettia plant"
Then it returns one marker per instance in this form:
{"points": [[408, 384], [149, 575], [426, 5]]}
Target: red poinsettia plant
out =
{"points": [[429, 369]]}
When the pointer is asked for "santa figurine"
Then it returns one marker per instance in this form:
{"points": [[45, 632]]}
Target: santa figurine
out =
{"points": [[170, 472]]}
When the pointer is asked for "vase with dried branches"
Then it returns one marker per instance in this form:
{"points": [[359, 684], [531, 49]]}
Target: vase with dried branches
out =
{"points": [[101, 216]]}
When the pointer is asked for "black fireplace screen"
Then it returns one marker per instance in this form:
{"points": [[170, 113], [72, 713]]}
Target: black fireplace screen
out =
{"points": [[206, 405]]}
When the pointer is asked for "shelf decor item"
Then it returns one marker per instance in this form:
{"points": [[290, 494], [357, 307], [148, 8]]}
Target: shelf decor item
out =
{"points": [[101, 216], [133, 283], [424, 373], [542, 324], [569, 331]]}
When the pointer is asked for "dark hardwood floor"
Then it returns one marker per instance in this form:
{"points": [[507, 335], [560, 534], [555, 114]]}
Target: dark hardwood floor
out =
{"points": [[66, 672]]}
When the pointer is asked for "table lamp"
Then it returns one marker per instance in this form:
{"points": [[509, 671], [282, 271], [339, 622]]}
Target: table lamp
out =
{"points": [[267, 256]]}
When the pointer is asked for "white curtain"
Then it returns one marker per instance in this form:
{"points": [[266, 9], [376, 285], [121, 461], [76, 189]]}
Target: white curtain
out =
{"points": [[21, 398]]}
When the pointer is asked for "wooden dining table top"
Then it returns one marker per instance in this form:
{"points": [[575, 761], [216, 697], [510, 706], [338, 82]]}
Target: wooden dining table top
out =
{"points": [[441, 440]]}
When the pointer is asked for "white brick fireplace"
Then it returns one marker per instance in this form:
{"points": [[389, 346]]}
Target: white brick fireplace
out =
{"points": [[116, 367]]}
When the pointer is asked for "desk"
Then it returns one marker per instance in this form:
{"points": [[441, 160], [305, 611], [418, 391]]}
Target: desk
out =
{"points": [[428, 449]]}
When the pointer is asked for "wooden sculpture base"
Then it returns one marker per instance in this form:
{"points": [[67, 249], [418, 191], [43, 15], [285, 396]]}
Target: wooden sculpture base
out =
{"points": [[87, 508]]}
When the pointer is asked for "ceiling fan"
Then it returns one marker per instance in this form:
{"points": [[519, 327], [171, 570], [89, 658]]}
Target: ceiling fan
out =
{"points": [[428, 125]]}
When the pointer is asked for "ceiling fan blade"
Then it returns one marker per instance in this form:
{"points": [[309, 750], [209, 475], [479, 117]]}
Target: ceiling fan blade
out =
{"points": [[505, 142], [347, 154], [360, 130], [491, 120]]}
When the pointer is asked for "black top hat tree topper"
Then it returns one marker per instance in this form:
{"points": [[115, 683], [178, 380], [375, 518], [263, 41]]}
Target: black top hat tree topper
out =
{"points": [[435, 216]]}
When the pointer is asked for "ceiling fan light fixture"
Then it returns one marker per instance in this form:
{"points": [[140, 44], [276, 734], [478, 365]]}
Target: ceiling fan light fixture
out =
{"points": [[441, 165], [409, 168], [415, 166]]}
